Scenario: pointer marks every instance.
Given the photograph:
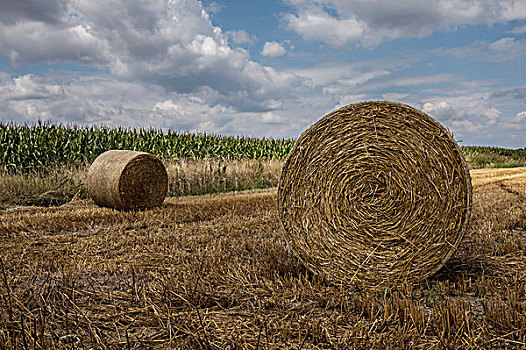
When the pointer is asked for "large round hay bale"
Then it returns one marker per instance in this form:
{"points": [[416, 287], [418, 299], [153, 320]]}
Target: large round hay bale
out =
{"points": [[373, 194], [127, 180]]}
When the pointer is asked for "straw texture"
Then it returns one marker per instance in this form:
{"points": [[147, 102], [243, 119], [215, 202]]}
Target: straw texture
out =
{"points": [[127, 180], [373, 194]]}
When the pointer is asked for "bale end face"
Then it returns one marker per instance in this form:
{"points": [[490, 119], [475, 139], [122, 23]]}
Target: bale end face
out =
{"points": [[373, 194], [127, 180]]}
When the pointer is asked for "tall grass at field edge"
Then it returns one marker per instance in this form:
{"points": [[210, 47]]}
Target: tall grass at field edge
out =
{"points": [[185, 177]]}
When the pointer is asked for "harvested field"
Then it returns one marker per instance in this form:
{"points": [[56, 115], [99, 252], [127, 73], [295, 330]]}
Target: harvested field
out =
{"points": [[213, 272]]}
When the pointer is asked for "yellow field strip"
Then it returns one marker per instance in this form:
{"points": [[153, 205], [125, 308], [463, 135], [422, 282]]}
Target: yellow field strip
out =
{"points": [[482, 177]]}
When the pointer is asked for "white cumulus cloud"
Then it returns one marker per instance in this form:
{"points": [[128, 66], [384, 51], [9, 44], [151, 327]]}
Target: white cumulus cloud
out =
{"points": [[319, 25], [520, 117], [368, 22], [169, 43], [518, 30], [469, 114], [273, 49], [241, 37]]}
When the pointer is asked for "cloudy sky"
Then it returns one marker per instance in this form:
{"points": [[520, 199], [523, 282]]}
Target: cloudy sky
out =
{"points": [[264, 68]]}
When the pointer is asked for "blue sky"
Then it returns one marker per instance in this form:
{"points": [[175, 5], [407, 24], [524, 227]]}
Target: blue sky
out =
{"points": [[264, 68]]}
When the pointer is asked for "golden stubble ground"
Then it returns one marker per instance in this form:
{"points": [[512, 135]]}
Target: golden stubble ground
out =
{"points": [[213, 272]]}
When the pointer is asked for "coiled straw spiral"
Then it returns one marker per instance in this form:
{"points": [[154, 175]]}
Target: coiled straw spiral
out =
{"points": [[373, 194]]}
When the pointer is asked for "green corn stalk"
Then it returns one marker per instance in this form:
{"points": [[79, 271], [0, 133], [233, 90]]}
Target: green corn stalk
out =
{"points": [[30, 148]]}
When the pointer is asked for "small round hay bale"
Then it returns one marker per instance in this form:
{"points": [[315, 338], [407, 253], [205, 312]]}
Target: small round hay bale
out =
{"points": [[127, 180], [373, 194]]}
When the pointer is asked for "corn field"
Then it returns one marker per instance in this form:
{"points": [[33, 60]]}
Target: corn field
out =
{"points": [[33, 148], [474, 150], [28, 148]]}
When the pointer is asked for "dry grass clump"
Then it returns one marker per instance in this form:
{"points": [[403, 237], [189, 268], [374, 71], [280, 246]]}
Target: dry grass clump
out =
{"points": [[196, 177], [127, 180], [374, 194], [56, 186], [62, 184]]}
